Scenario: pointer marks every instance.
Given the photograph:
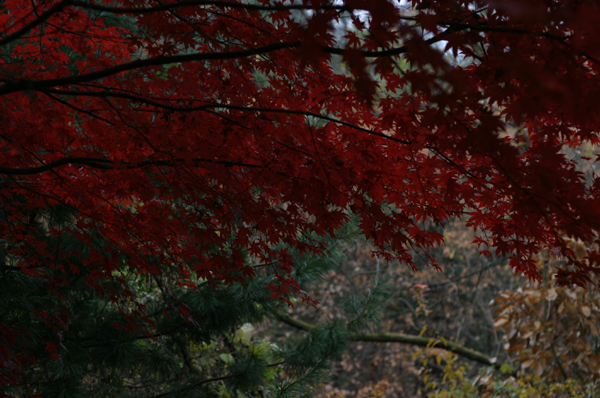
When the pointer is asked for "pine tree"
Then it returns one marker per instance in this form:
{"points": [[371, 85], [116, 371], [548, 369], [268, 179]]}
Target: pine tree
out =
{"points": [[165, 339]]}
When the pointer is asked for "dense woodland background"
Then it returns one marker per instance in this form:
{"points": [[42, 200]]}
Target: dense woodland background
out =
{"points": [[538, 334]]}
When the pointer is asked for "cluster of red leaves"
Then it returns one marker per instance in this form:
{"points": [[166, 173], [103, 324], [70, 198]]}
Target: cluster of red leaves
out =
{"points": [[179, 129]]}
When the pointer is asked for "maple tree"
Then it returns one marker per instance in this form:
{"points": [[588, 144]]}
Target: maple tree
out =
{"points": [[182, 137]]}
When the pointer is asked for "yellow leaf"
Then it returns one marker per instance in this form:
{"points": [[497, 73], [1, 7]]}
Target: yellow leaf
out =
{"points": [[527, 363], [580, 249], [244, 333], [539, 368], [594, 363], [586, 311], [499, 322], [227, 358], [593, 329], [570, 308]]}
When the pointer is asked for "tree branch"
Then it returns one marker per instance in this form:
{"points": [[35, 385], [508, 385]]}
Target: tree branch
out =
{"points": [[223, 4], [106, 164], [65, 103], [13, 86], [110, 94], [199, 383], [39, 85], [403, 338], [38, 21]]}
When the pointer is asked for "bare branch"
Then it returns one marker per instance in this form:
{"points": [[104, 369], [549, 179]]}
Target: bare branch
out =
{"points": [[108, 94], [106, 164], [223, 4], [38, 21], [199, 383], [406, 339], [23, 85]]}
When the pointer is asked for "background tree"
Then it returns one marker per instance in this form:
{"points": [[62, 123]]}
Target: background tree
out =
{"points": [[538, 339], [440, 308]]}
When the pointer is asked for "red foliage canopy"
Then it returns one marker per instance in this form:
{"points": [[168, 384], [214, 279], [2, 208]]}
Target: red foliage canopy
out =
{"points": [[177, 127]]}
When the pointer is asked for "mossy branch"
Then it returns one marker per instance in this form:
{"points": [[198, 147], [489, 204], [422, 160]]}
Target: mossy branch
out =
{"points": [[428, 342]]}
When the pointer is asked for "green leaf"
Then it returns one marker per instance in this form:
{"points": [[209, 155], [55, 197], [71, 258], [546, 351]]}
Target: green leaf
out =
{"points": [[227, 358]]}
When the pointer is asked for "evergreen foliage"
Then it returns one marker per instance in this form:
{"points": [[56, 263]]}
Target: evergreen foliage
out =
{"points": [[304, 385], [167, 338], [366, 310]]}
